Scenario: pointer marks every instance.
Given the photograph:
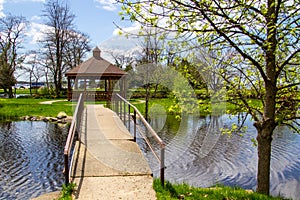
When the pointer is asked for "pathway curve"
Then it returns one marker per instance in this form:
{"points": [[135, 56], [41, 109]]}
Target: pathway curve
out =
{"points": [[52, 101]]}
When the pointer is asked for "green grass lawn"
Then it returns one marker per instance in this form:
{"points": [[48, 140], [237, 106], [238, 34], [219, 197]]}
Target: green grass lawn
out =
{"points": [[22, 91], [13, 109], [184, 191]]}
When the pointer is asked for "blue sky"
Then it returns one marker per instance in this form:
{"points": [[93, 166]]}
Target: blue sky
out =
{"points": [[94, 17]]}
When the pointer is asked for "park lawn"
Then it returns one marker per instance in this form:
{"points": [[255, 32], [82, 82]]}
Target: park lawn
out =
{"points": [[184, 191], [21, 91], [14, 109]]}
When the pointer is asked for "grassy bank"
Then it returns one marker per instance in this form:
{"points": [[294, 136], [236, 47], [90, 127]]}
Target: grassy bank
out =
{"points": [[13, 109], [184, 191]]}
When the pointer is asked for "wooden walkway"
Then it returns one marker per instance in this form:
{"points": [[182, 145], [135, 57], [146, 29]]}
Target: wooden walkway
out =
{"points": [[107, 164]]}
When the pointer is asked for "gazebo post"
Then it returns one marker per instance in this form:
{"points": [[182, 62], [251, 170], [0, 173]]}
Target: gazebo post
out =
{"points": [[69, 91], [76, 83], [124, 87], [108, 92]]}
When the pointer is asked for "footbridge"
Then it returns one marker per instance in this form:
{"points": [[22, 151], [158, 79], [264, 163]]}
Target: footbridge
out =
{"points": [[102, 156]]}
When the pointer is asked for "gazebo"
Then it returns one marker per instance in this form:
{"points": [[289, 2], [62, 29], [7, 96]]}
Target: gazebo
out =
{"points": [[96, 78]]}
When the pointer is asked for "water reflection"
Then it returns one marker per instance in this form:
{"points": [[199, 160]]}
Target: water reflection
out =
{"points": [[198, 154], [31, 159]]}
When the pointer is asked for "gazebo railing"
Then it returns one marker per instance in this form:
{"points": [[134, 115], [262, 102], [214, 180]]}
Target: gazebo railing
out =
{"points": [[90, 95], [122, 107]]}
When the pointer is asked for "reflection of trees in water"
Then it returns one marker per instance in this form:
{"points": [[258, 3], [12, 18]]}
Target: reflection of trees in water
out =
{"points": [[197, 140], [211, 147], [213, 157], [166, 126], [57, 134]]}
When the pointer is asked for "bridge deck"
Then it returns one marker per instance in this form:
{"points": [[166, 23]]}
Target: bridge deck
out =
{"points": [[107, 163]]}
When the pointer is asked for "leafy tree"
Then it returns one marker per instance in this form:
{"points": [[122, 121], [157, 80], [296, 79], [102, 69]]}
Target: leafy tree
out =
{"points": [[63, 46], [264, 33], [11, 34], [191, 73]]}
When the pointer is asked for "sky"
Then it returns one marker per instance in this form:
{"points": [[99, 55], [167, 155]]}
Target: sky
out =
{"points": [[93, 17]]}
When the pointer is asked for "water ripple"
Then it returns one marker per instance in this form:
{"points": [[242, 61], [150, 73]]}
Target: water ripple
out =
{"points": [[30, 159], [197, 154]]}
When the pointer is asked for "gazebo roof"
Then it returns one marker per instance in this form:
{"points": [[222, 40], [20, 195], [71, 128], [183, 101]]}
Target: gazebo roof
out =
{"points": [[96, 66]]}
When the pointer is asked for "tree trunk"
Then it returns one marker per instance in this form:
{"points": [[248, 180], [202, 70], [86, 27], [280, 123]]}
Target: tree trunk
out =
{"points": [[265, 129], [10, 92], [264, 140], [56, 86], [155, 90], [59, 81], [30, 83], [147, 102]]}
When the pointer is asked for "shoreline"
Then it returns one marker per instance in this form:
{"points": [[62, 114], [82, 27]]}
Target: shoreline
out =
{"points": [[61, 120]]}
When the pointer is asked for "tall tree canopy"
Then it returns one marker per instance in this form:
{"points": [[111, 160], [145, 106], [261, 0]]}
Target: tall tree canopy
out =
{"points": [[264, 33], [12, 29], [64, 46]]}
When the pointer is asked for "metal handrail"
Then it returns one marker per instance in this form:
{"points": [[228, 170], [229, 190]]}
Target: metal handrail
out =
{"points": [[74, 130], [121, 111]]}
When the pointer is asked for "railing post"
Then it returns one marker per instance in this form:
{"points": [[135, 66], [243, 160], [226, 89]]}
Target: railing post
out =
{"points": [[129, 117], [117, 106], [134, 127], [124, 114], [148, 127], [67, 181], [114, 102], [120, 115], [162, 165]]}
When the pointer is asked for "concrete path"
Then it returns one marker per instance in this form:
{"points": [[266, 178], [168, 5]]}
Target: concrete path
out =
{"points": [[52, 101], [107, 163]]}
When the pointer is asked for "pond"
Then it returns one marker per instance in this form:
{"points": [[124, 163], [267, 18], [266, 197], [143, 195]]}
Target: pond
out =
{"points": [[198, 154], [31, 158]]}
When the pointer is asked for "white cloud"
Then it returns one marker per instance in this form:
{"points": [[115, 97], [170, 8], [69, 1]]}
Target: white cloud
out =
{"points": [[1, 9], [36, 32], [109, 5], [35, 18], [134, 28]]}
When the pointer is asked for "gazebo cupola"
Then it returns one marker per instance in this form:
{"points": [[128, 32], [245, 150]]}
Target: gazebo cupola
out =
{"points": [[97, 53], [95, 78]]}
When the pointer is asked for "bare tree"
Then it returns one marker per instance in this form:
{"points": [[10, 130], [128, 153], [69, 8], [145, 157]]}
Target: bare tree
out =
{"points": [[122, 59], [75, 49], [64, 47], [11, 35], [34, 68], [148, 69]]}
